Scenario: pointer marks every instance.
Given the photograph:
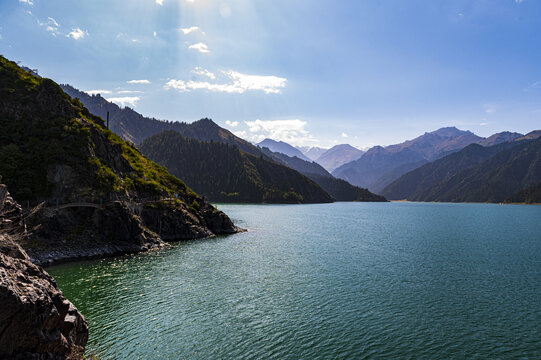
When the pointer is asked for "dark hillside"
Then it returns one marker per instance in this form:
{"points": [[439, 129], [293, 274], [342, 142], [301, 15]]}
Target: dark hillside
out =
{"points": [[224, 173]]}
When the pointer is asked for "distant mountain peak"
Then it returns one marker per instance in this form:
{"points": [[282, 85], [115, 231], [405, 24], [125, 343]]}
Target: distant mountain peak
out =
{"points": [[338, 155], [283, 147]]}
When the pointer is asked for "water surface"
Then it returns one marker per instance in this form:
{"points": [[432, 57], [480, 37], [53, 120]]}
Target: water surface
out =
{"points": [[332, 281]]}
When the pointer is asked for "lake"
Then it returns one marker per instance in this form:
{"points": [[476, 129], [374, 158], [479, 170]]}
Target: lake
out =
{"points": [[330, 281]]}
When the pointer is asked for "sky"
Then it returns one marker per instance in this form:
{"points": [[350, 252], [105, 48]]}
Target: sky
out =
{"points": [[308, 72]]}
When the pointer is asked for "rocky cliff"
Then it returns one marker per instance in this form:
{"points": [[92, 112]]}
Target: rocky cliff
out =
{"points": [[100, 195], [36, 320]]}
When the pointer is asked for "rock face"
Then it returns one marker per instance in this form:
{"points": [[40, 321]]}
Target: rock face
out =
{"points": [[36, 320], [175, 223], [118, 228], [55, 152], [86, 232]]}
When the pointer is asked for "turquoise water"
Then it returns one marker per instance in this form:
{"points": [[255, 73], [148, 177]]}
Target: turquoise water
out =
{"points": [[333, 281]]}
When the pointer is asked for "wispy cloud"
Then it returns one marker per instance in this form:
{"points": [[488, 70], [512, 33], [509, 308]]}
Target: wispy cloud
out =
{"points": [[159, 2], [129, 92], [51, 25], [238, 84], [28, 2], [491, 108], [519, 1], [344, 135], [125, 100], [291, 131], [99, 91], [232, 123], [77, 34], [204, 72], [191, 29], [535, 85], [201, 47], [138, 82]]}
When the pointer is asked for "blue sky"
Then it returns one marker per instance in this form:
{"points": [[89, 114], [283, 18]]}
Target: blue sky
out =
{"points": [[310, 72]]}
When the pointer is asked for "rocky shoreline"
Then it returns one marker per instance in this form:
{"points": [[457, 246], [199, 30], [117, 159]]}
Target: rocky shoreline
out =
{"points": [[61, 235], [36, 320]]}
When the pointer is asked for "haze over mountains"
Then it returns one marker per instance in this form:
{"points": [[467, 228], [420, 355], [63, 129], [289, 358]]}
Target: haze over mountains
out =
{"points": [[263, 187], [338, 155], [476, 174], [312, 152], [380, 166], [282, 147], [343, 171]]}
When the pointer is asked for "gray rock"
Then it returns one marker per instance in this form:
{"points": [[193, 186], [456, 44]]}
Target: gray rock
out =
{"points": [[36, 320]]}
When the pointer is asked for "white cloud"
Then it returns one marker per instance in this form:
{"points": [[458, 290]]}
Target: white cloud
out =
{"points": [[232, 123], [138, 82], [29, 2], [159, 2], [240, 134], [240, 83], [344, 135], [130, 100], [191, 29], [53, 22], [267, 84], [291, 131], [96, 92], [200, 71], [201, 47], [129, 92], [155, 34], [77, 34], [51, 25]]}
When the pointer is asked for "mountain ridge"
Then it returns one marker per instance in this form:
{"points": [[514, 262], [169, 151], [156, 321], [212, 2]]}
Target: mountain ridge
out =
{"points": [[282, 147], [338, 155]]}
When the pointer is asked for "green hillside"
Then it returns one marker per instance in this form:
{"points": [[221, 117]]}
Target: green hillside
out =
{"points": [[224, 173], [52, 146]]}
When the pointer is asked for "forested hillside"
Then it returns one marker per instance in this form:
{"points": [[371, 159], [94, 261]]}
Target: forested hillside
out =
{"points": [[500, 172], [225, 174]]}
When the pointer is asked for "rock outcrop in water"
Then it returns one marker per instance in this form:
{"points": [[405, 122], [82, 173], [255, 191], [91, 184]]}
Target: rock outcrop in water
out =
{"points": [[36, 320]]}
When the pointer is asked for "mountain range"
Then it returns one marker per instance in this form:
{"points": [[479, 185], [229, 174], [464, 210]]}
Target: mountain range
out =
{"points": [[339, 189], [224, 173], [283, 148], [380, 166], [132, 125], [475, 174], [312, 152], [54, 151], [338, 155]]}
